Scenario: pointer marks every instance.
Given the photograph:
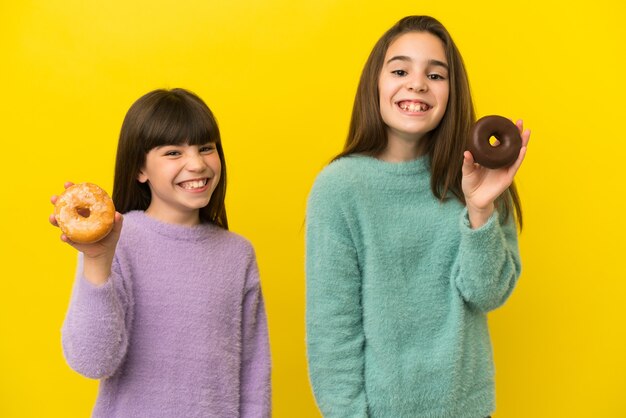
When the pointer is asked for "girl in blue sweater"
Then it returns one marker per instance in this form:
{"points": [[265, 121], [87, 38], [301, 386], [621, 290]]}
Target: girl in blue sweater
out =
{"points": [[409, 242]]}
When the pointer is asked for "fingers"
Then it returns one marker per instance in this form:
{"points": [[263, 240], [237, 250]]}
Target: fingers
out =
{"points": [[53, 220], [525, 137], [517, 164], [66, 185], [468, 163], [524, 133], [53, 199], [118, 220], [110, 240]]}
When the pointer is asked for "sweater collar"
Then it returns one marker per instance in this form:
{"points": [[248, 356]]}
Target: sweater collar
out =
{"points": [[173, 231], [405, 168]]}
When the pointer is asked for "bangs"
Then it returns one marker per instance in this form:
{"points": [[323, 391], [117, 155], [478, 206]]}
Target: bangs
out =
{"points": [[176, 120]]}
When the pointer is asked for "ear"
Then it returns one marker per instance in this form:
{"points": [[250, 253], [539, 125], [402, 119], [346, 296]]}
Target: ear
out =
{"points": [[142, 177]]}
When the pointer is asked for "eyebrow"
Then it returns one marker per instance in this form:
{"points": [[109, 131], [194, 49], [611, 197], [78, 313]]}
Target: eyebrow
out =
{"points": [[432, 62]]}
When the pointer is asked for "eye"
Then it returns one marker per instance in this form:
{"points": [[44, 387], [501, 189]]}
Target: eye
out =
{"points": [[400, 73], [171, 153], [435, 77], [208, 148]]}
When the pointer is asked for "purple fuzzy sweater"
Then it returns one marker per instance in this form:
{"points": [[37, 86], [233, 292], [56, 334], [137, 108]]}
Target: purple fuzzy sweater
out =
{"points": [[179, 330]]}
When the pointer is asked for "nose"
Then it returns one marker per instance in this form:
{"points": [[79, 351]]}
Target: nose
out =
{"points": [[417, 84], [195, 162]]}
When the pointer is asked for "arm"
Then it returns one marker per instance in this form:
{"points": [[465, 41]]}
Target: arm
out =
{"points": [[488, 262], [335, 336], [255, 351], [94, 333]]}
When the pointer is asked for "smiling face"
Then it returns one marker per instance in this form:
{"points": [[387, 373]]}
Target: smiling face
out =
{"points": [[413, 87], [182, 179]]}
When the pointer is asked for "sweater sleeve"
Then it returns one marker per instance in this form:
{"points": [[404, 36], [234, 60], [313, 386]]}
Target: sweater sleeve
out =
{"points": [[335, 336], [94, 333], [489, 262], [255, 363]]}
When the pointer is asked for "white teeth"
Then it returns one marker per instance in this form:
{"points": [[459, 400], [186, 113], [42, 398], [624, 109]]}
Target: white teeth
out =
{"points": [[414, 107], [194, 184]]}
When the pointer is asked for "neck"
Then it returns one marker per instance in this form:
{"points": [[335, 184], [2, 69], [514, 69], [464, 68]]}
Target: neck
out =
{"points": [[184, 219], [400, 149]]}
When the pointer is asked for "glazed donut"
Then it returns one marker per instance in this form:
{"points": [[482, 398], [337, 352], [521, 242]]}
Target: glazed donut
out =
{"points": [[85, 213], [490, 156]]}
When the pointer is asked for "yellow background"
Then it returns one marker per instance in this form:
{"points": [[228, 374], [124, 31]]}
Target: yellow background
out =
{"points": [[280, 75]]}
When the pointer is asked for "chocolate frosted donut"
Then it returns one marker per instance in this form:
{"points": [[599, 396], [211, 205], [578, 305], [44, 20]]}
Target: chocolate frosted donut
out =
{"points": [[490, 156]]}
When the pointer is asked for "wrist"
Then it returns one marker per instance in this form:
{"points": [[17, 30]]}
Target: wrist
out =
{"points": [[97, 270], [479, 216]]}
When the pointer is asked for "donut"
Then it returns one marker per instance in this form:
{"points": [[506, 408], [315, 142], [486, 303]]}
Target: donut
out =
{"points": [[490, 156], [85, 213]]}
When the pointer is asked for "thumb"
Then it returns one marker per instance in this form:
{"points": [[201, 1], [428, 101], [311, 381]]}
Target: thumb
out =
{"points": [[118, 220], [468, 163]]}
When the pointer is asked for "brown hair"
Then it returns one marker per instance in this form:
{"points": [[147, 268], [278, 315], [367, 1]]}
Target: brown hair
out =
{"points": [[165, 117], [446, 143]]}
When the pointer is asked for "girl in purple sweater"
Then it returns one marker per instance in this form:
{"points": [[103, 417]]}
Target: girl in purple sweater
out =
{"points": [[167, 310]]}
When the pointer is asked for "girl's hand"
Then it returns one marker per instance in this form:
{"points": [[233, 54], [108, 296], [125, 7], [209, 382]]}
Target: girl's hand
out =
{"points": [[482, 186], [98, 256]]}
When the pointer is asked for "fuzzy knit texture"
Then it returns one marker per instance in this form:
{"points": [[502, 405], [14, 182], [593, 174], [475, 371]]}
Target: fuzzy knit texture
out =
{"points": [[179, 329], [398, 288]]}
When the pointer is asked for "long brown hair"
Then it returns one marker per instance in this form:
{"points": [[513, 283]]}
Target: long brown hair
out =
{"points": [[445, 144], [165, 117]]}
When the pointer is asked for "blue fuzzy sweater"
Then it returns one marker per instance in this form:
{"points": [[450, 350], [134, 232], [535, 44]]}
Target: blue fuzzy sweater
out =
{"points": [[398, 290]]}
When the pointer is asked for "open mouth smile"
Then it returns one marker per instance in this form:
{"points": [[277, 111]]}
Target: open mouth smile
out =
{"points": [[194, 184], [413, 106]]}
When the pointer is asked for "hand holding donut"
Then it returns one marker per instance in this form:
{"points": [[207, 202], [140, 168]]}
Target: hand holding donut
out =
{"points": [[96, 238], [482, 186]]}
